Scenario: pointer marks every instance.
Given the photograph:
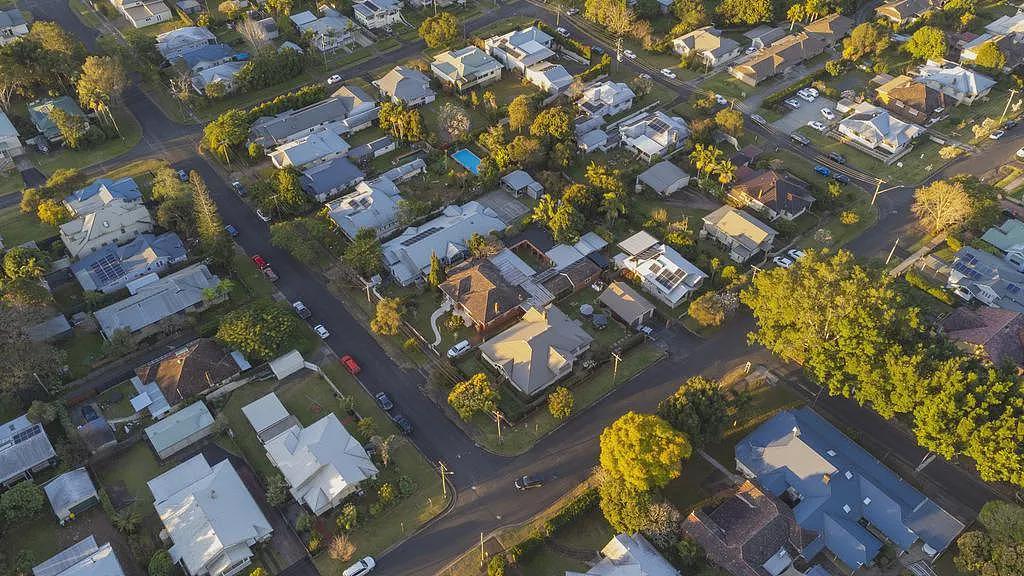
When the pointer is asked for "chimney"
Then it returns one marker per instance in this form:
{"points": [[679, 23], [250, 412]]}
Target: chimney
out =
{"points": [[497, 307]]}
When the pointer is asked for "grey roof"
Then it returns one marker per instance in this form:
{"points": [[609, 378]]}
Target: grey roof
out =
{"points": [[555, 74], [264, 413], [270, 130], [7, 129], [324, 178], [23, 445], [225, 72], [638, 242], [406, 171], [625, 302], [662, 176], [39, 113], [520, 180], [629, 555], [68, 490], [84, 558], [179, 425], [173, 41], [56, 326], [989, 278], [405, 84], [309, 149], [839, 483], [1008, 236], [157, 300], [11, 18], [103, 191], [114, 266], [373, 204]]}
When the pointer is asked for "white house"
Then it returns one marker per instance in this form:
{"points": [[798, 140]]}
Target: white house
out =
{"points": [[176, 42], [873, 127], [962, 84], [330, 31], [348, 110], [84, 558], [551, 78], [375, 14], [465, 68], [520, 49], [12, 25], [10, 143], [315, 148], [629, 555], [606, 98], [373, 204], [111, 224], [210, 517], [654, 134], [224, 74], [406, 86], [709, 45], [142, 13], [664, 273]]}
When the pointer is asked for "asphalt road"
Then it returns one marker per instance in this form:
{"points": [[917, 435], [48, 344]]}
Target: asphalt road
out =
{"points": [[486, 499]]}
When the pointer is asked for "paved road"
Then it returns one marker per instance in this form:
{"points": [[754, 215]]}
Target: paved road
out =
{"points": [[486, 499]]}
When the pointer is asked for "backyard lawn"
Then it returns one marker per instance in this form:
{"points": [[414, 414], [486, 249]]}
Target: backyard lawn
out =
{"points": [[131, 133], [114, 407], [17, 228], [11, 183], [125, 476], [83, 349]]}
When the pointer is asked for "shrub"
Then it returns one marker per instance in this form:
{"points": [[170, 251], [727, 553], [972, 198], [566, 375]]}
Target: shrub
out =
{"points": [[313, 544], [954, 243], [409, 345], [303, 523], [849, 218], [406, 486], [496, 566], [160, 564], [915, 279], [386, 494]]}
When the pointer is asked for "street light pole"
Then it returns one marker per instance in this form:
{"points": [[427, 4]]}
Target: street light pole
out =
{"points": [[498, 417], [615, 368]]}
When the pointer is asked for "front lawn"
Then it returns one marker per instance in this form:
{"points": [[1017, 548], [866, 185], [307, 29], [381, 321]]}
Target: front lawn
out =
{"points": [[724, 84], [589, 533], [17, 228], [962, 118], [841, 233], [908, 170], [131, 133], [604, 338]]}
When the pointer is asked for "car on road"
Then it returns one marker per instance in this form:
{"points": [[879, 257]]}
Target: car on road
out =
{"points": [[361, 568], [828, 114], [572, 11], [841, 178], [817, 125], [562, 32], [629, 54], [996, 135], [384, 402], [351, 365], [231, 230], [823, 170], [1010, 124], [333, 79], [458, 349], [238, 187], [270, 274], [668, 73], [800, 138], [722, 100], [792, 103], [759, 119], [782, 262], [182, 175], [837, 157], [1020, 154], [597, 50], [321, 332], [262, 216], [527, 482], [260, 262], [795, 254], [403, 424], [301, 309]]}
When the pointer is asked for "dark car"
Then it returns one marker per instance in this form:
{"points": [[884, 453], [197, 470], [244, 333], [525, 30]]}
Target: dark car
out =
{"points": [[597, 50], [823, 170], [238, 187], [403, 424], [1010, 124], [837, 157], [527, 482], [231, 230], [841, 178], [384, 402], [182, 175], [89, 413]]}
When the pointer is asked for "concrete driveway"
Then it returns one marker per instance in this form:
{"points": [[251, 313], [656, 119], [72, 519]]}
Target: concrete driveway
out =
{"points": [[807, 112]]}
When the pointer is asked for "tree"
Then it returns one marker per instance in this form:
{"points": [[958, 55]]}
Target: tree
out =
{"points": [[555, 123], [22, 501], [473, 396], [436, 275], [261, 330], [161, 564], [490, 101], [566, 223], [387, 318], [849, 218], [834, 68], [60, 57], [641, 85], [990, 56], [866, 39], [439, 30], [214, 242], [277, 489], [496, 566], [226, 133], [643, 450], [178, 213], [100, 85], [625, 507], [707, 310], [520, 112], [730, 121], [43, 412], [453, 122], [24, 359], [280, 7], [25, 262], [341, 548], [699, 409], [942, 205], [613, 205], [252, 32], [996, 551], [367, 427], [166, 184], [363, 254], [794, 14], [692, 14], [705, 158], [72, 127], [747, 11], [348, 517], [384, 447], [662, 527], [560, 403], [52, 212], [927, 43]]}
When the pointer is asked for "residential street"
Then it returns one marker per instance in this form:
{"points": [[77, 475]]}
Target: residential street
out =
{"points": [[486, 498]]}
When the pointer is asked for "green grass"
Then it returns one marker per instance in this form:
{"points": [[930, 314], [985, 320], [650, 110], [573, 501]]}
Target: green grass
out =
{"points": [[506, 90], [913, 170], [11, 183], [38, 535], [843, 233], [589, 532], [724, 84], [251, 278], [603, 339], [121, 408], [962, 118], [132, 469], [83, 350], [17, 228], [85, 14], [131, 133]]}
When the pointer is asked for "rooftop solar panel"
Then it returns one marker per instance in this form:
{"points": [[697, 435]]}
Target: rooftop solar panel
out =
{"points": [[420, 236]]}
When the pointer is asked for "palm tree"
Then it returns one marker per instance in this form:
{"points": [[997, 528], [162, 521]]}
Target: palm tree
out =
{"points": [[613, 205], [726, 172]]}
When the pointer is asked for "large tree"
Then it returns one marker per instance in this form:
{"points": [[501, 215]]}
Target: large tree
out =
{"points": [[261, 330], [25, 363], [21, 502], [943, 205], [226, 134], [998, 550], [453, 122], [439, 30], [474, 396], [643, 450], [692, 14], [990, 56], [387, 318], [699, 409], [520, 112], [72, 127], [61, 54], [25, 262], [730, 121], [555, 122], [747, 11], [867, 38], [363, 254], [625, 507], [100, 85], [927, 43], [214, 241]]}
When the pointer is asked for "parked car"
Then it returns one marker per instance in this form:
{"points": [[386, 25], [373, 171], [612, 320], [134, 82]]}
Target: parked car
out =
{"points": [[644, 75], [231, 230], [262, 216], [458, 349], [1020, 154], [384, 402], [301, 309], [260, 262], [668, 73], [807, 96], [629, 54], [270, 274], [782, 262], [321, 332], [759, 119], [817, 125], [361, 568], [527, 482], [799, 138], [403, 424], [792, 103], [182, 175], [795, 254], [841, 178], [333, 79], [828, 114], [351, 365], [823, 170], [722, 100], [837, 157], [562, 31], [572, 11], [996, 135], [1010, 124], [750, 50]]}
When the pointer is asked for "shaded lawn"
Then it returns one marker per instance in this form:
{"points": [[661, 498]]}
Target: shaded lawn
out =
{"points": [[17, 228], [132, 469], [589, 532], [121, 408], [131, 133], [83, 350], [11, 183]]}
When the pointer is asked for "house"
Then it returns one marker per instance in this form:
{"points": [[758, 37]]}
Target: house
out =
{"points": [[627, 304], [665, 178], [597, 141], [365, 153], [520, 49], [112, 267], [963, 85], [849, 500], [84, 558], [1008, 24], [709, 45], [266, 29], [373, 205], [24, 449], [102, 192], [774, 194], [606, 98], [551, 78], [110, 225], [901, 12], [189, 7], [629, 555], [1011, 46], [142, 13], [348, 110], [157, 300], [268, 417], [465, 68], [194, 498], [874, 128], [405, 86], [992, 333], [149, 398], [329, 32], [662, 271], [224, 74], [764, 36], [360, 109], [180, 429], [39, 114], [70, 494], [538, 350], [10, 142], [377, 14], [206, 56], [520, 182], [779, 58], [322, 463], [991, 280], [740, 232], [193, 369], [1009, 239], [484, 299], [12, 25], [328, 179], [174, 43], [748, 533], [312, 149], [407, 256], [911, 101], [830, 29], [653, 135]]}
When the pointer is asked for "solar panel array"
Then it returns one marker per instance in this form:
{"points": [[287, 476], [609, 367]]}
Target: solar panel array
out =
{"points": [[968, 272], [670, 278], [420, 236], [107, 269], [26, 434]]}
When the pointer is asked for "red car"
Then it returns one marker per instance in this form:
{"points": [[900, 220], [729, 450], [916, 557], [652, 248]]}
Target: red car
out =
{"points": [[350, 364], [259, 262]]}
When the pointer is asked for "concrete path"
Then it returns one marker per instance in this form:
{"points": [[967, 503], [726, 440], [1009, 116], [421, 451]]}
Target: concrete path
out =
{"points": [[433, 321]]}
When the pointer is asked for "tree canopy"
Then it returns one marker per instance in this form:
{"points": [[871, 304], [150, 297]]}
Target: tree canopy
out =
{"points": [[261, 330], [867, 38], [643, 450], [927, 43], [474, 396], [363, 254], [439, 30], [699, 409]]}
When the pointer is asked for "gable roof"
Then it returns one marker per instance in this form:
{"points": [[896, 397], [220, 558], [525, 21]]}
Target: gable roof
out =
{"points": [[206, 53], [1009, 236], [39, 113], [954, 77], [996, 331], [479, 288], [831, 27], [373, 204], [115, 265], [903, 91], [784, 53], [173, 40], [90, 230], [83, 558], [197, 366], [11, 18], [662, 176], [23, 446], [903, 9], [625, 302], [742, 227], [878, 126], [157, 300], [68, 490], [178, 426], [268, 416], [707, 39], [102, 191], [270, 130], [403, 83], [629, 555], [777, 191], [989, 278], [464, 63], [328, 176]]}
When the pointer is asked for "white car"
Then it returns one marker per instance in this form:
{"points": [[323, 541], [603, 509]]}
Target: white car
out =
{"points": [[759, 119], [629, 54], [812, 91], [262, 216], [782, 262], [361, 568], [562, 31], [806, 96], [795, 254], [828, 114], [792, 103], [750, 50], [1020, 154], [722, 100], [817, 125], [644, 75], [321, 332], [572, 11], [458, 349], [668, 73], [996, 135], [334, 79]]}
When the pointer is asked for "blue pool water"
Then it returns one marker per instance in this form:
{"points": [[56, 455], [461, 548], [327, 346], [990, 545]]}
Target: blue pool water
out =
{"points": [[469, 160]]}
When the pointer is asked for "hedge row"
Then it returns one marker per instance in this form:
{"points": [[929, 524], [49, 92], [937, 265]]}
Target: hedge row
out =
{"points": [[569, 513], [292, 100], [915, 279], [576, 46]]}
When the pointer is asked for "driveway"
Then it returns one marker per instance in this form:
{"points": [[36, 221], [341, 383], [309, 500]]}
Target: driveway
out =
{"points": [[807, 112]]}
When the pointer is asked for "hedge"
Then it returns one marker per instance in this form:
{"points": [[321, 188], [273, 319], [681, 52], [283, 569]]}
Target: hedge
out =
{"points": [[596, 70], [569, 513], [917, 281], [299, 99]]}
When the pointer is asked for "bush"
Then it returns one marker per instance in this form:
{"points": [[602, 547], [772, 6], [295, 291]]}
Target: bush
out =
{"points": [[849, 218], [406, 486], [160, 564], [576, 46], [313, 544], [954, 243], [496, 566], [915, 279], [303, 523]]}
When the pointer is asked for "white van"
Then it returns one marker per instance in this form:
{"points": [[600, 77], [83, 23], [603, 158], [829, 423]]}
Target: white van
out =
{"points": [[361, 568]]}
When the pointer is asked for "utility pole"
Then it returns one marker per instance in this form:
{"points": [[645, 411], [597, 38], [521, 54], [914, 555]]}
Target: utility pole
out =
{"points": [[498, 417], [444, 480], [893, 251], [878, 189], [481, 548], [618, 49], [615, 368], [1013, 92]]}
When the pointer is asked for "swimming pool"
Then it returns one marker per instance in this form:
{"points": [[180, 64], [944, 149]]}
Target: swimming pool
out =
{"points": [[468, 160]]}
